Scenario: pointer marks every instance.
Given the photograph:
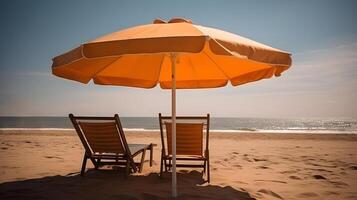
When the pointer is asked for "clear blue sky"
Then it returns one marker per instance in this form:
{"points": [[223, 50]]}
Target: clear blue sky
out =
{"points": [[321, 35]]}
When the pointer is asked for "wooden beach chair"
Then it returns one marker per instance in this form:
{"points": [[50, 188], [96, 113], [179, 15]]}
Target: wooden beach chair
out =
{"points": [[104, 142], [189, 142]]}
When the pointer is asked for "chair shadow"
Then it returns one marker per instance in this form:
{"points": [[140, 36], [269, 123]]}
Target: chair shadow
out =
{"points": [[112, 184]]}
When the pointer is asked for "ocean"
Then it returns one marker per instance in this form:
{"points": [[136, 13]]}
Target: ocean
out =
{"points": [[270, 125]]}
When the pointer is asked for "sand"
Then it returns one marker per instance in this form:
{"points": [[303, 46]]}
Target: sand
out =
{"points": [[45, 164]]}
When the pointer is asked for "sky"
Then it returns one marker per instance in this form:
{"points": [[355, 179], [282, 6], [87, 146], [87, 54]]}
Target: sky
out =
{"points": [[320, 34]]}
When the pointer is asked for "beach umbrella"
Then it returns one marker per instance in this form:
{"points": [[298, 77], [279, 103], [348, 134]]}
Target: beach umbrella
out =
{"points": [[176, 54]]}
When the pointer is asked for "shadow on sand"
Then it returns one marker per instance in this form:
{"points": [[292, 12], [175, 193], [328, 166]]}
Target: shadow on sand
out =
{"points": [[109, 184]]}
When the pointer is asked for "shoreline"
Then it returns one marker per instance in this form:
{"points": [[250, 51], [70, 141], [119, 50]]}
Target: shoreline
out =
{"points": [[131, 130], [213, 135]]}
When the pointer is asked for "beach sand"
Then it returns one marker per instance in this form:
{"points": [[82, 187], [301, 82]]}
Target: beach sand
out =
{"points": [[45, 164]]}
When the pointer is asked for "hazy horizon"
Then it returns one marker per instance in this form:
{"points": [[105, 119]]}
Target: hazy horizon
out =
{"points": [[321, 35], [200, 114]]}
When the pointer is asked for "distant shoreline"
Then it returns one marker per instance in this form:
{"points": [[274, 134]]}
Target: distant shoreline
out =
{"points": [[138, 130], [227, 125]]}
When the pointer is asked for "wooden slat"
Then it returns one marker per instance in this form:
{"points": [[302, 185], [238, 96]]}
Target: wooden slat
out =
{"points": [[189, 138], [102, 137]]}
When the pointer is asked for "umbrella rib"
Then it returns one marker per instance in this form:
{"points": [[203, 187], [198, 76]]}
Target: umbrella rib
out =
{"points": [[193, 69], [220, 69], [94, 75], [161, 63]]}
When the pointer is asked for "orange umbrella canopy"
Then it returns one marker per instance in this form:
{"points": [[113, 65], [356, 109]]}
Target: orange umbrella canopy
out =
{"points": [[140, 57]]}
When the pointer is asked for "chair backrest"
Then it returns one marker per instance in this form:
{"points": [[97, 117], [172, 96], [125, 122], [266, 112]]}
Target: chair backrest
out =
{"points": [[101, 134], [189, 134]]}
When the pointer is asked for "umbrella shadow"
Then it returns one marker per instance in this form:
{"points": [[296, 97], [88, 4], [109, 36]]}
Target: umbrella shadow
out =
{"points": [[109, 184]]}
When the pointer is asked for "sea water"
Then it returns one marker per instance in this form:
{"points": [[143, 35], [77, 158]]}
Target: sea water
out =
{"points": [[308, 125]]}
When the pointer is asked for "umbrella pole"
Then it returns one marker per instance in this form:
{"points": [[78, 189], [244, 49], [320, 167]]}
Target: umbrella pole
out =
{"points": [[173, 112]]}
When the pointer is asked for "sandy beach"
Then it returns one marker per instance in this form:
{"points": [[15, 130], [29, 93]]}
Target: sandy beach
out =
{"points": [[44, 164]]}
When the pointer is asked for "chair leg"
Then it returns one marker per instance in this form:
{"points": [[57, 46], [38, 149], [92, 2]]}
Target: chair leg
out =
{"points": [[142, 160], [204, 166], [208, 171], [84, 163], [161, 166], [132, 163], [163, 160], [151, 154], [127, 168]]}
